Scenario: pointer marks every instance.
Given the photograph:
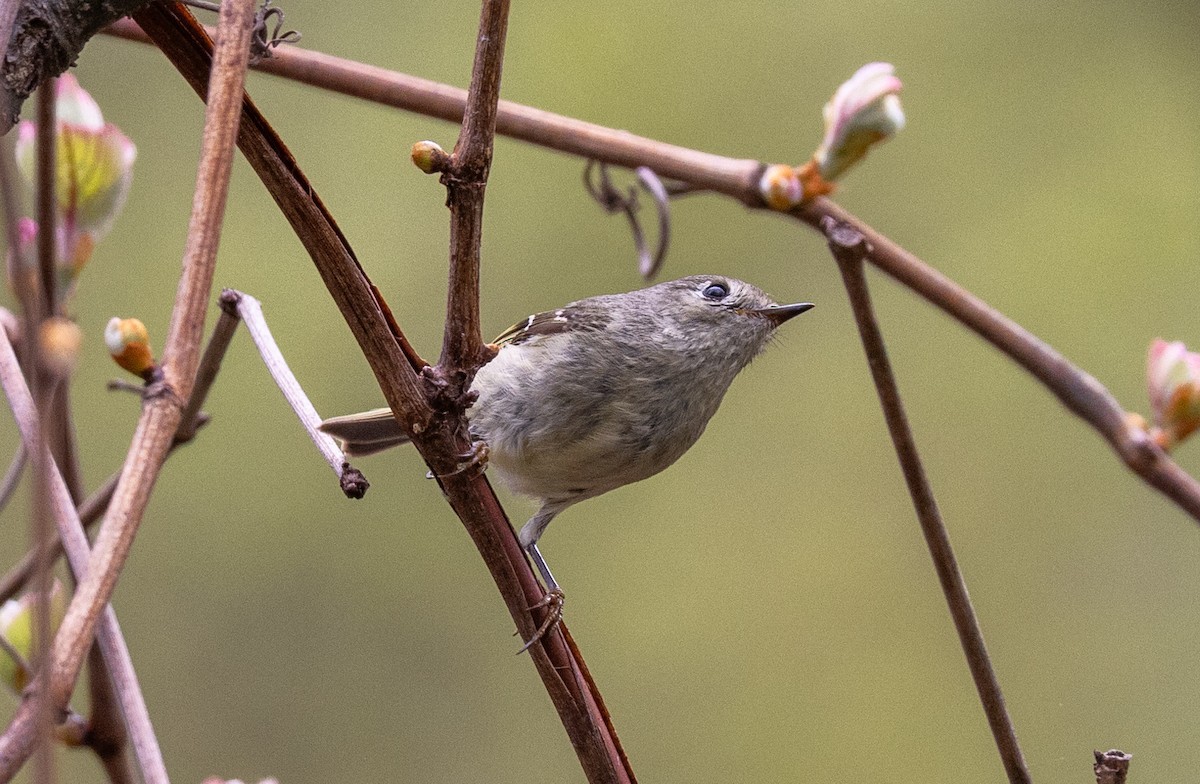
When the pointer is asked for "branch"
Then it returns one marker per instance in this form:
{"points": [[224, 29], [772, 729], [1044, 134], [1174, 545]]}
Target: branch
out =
{"points": [[561, 668], [466, 180], [736, 178], [850, 250]]}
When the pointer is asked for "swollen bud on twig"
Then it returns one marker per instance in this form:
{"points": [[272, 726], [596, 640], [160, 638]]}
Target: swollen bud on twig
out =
{"points": [[780, 187], [93, 173], [58, 344], [429, 157], [129, 344], [1173, 381], [864, 111], [16, 627]]}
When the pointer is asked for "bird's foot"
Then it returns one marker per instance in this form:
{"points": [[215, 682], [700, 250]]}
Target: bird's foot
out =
{"points": [[473, 462], [553, 603]]}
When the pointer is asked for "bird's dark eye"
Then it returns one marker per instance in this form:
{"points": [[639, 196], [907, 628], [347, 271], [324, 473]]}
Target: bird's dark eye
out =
{"points": [[716, 291]]}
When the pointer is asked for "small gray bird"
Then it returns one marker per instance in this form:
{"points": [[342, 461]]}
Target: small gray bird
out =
{"points": [[606, 391]]}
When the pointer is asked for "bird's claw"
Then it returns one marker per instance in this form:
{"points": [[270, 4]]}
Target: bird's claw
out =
{"points": [[553, 603], [474, 461]]}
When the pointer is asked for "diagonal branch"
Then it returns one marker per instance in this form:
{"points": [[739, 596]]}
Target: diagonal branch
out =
{"points": [[561, 668], [850, 250]]}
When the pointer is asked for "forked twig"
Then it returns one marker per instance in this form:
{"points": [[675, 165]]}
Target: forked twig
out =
{"points": [[849, 248], [94, 506]]}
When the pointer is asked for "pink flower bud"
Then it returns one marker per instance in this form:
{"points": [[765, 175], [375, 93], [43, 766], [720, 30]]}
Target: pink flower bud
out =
{"points": [[864, 111], [94, 168], [1173, 381]]}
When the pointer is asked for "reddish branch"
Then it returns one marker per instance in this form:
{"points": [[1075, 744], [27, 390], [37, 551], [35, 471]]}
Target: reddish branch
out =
{"points": [[440, 440], [850, 249]]}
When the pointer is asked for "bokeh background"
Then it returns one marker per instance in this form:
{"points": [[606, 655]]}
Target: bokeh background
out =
{"points": [[766, 609]]}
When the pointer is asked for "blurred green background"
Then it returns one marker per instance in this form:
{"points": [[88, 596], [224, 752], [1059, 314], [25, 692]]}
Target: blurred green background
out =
{"points": [[766, 609]]}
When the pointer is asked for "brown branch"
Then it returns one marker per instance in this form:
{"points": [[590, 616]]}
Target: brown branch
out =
{"points": [[466, 181], [39, 308], [736, 178], [1078, 390], [850, 250], [47, 196], [563, 674]]}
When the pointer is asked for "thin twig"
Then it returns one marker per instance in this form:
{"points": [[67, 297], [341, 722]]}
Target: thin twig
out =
{"points": [[737, 178], [163, 408], [47, 196], [353, 483], [106, 733], [466, 181], [12, 477], [850, 250], [42, 383], [17, 741], [90, 511]]}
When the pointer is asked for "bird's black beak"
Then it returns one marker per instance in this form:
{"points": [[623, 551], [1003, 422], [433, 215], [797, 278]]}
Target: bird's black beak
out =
{"points": [[777, 314]]}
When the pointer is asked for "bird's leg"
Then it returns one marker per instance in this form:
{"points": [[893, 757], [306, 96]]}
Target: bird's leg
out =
{"points": [[542, 567], [553, 600]]}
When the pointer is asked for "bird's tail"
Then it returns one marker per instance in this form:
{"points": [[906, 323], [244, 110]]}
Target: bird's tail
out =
{"points": [[366, 433]]}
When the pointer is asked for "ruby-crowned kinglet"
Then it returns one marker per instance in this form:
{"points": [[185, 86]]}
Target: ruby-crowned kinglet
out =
{"points": [[603, 392]]}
